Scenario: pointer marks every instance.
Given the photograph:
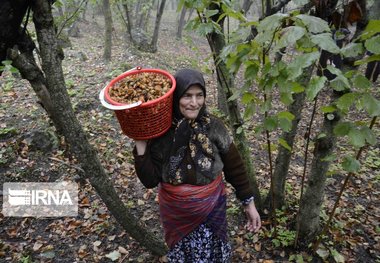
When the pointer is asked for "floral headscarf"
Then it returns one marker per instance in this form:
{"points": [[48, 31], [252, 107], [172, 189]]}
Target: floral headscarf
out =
{"points": [[190, 136]]}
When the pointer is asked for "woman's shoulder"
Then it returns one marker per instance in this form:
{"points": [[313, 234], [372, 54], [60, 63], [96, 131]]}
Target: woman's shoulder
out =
{"points": [[219, 133], [163, 140], [217, 122]]}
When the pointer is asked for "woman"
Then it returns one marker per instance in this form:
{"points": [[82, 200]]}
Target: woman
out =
{"points": [[187, 164]]}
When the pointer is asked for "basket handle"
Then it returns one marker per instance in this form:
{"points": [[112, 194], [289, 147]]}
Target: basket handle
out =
{"points": [[121, 107], [114, 107]]}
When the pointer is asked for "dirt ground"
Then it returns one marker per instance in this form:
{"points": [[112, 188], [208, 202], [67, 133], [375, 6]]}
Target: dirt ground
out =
{"points": [[31, 152]]}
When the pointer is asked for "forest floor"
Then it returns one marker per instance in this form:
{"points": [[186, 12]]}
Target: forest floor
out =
{"points": [[30, 152]]}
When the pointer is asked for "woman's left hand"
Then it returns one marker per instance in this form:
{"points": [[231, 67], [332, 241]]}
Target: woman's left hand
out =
{"points": [[254, 221]]}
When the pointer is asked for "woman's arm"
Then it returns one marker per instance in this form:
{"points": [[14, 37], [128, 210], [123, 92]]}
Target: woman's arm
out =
{"points": [[147, 165], [140, 147], [254, 220], [236, 173]]}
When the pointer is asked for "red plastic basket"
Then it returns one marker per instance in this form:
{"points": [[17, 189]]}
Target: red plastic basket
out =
{"points": [[150, 119]]}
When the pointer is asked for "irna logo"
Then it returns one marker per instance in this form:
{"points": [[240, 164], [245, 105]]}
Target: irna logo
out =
{"points": [[40, 199]]}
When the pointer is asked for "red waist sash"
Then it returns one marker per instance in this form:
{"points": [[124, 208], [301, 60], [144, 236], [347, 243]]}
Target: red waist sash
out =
{"points": [[184, 207]]}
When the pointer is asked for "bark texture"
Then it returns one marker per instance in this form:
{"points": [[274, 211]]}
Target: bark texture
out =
{"points": [[277, 198], [108, 32], [157, 23], [225, 85], [313, 198], [51, 83]]}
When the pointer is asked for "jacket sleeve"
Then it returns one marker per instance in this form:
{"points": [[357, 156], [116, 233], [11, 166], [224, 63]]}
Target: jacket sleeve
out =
{"points": [[148, 167], [235, 173]]}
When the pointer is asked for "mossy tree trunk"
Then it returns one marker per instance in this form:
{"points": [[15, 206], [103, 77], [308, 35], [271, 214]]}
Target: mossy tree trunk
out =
{"points": [[51, 81], [225, 85], [108, 31], [312, 200], [276, 198]]}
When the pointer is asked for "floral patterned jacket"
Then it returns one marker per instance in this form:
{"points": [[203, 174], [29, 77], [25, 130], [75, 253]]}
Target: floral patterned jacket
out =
{"points": [[152, 167]]}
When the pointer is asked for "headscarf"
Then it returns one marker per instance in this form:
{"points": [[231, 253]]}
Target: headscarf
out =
{"points": [[185, 78], [191, 136]]}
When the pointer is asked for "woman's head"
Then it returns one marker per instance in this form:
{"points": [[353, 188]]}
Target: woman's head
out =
{"points": [[189, 95]]}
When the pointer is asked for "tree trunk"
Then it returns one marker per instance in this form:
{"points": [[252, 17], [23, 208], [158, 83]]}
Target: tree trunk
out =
{"points": [[246, 6], [311, 202], [108, 31], [160, 11], [129, 21], [374, 12], [276, 198], [63, 117], [181, 23], [11, 15], [225, 85], [190, 15]]}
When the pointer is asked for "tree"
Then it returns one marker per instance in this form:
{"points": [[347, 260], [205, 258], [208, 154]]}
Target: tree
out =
{"points": [[49, 85], [304, 40], [157, 23], [181, 22], [108, 32], [137, 32]]}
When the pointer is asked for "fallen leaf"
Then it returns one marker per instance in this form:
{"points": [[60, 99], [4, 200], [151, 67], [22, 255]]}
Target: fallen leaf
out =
{"points": [[37, 246], [123, 250], [258, 246], [114, 255], [111, 238], [97, 243]]}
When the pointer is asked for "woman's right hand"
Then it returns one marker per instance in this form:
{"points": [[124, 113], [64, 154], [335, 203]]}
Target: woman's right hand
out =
{"points": [[141, 146]]}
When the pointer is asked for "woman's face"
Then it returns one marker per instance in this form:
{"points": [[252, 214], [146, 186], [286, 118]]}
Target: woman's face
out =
{"points": [[191, 102]]}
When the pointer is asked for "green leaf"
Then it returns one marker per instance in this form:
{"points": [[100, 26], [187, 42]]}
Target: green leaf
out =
{"points": [[346, 100], [251, 70], [325, 42], [270, 23], [270, 123], [372, 28], [371, 104], [352, 50], [361, 82], [340, 83], [248, 97], [249, 111], [296, 67], [330, 158], [373, 44], [315, 85], [342, 128], [367, 60], [284, 144], [210, 13], [356, 137], [236, 94], [205, 28], [314, 24], [337, 257], [297, 88], [286, 98], [289, 36], [334, 70], [328, 109], [369, 135], [350, 164], [285, 124], [286, 115]]}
